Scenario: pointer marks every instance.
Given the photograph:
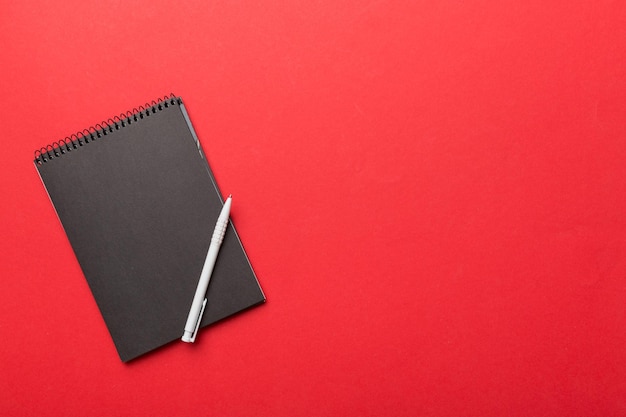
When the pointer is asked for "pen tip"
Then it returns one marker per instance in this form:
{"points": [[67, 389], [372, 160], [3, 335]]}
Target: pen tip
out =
{"points": [[230, 196]]}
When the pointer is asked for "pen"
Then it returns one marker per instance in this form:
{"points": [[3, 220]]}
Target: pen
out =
{"points": [[199, 299]]}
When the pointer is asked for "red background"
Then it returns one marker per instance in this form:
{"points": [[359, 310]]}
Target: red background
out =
{"points": [[432, 194]]}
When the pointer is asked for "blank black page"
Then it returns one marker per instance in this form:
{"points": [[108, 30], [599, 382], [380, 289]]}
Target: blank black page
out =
{"points": [[139, 206]]}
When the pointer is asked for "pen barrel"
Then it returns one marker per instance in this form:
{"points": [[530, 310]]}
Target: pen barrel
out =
{"points": [[199, 300]]}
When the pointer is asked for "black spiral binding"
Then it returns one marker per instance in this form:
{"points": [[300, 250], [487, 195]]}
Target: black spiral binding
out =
{"points": [[92, 133]]}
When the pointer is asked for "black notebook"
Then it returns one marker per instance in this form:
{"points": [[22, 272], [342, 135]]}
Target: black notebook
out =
{"points": [[138, 203]]}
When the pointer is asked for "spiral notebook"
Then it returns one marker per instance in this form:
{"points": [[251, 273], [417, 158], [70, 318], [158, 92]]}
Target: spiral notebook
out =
{"points": [[138, 203]]}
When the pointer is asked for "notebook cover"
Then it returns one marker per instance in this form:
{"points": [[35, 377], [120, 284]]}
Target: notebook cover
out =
{"points": [[138, 205]]}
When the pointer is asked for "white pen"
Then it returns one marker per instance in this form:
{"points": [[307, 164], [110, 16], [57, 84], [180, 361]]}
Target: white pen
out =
{"points": [[199, 299]]}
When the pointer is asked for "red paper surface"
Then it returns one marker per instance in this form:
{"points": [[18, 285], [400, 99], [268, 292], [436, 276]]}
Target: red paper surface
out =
{"points": [[431, 193]]}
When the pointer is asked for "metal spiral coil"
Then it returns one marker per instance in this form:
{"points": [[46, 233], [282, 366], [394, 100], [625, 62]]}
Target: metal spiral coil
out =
{"points": [[75, 141]]}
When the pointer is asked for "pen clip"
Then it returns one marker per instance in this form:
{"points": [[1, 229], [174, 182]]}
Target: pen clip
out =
{"points": [[195, 331]]}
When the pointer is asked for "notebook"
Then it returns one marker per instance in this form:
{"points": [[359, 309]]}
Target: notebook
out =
{"points": [[138, 203]]}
